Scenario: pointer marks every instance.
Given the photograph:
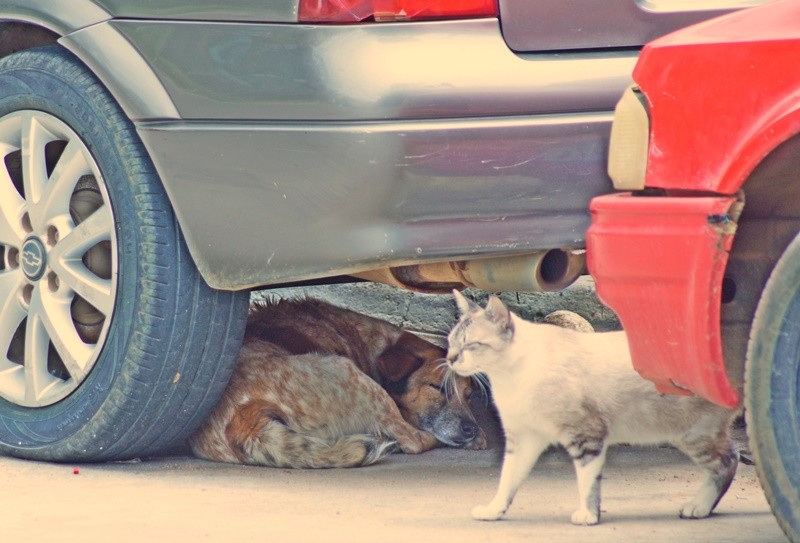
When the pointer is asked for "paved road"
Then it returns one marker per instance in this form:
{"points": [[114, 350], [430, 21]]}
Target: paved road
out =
{"points": [[406, 498]]}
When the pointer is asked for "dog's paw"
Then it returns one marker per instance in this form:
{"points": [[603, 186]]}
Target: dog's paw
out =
{"points": [[693, 510], [487, 512], [584, 517], [480, 443], [417, 442]]}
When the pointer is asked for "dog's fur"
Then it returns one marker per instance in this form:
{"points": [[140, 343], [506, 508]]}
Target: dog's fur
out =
{"points": [[320, 386]]}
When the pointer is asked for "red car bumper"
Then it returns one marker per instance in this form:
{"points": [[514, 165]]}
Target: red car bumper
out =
{"points": [[659, 262]]}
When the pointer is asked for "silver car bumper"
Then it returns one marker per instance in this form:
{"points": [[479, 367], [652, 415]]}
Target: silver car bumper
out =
{"points": [[310, 151]]}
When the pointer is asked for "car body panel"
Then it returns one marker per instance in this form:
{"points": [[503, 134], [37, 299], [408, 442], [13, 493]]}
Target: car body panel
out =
{"points": [[719, 142], [268, 202], [273, 11], [659, 263], [374, 144], [60, 17], [755, 44], [382, 163], [392, 71], [547, 25], [118, 65]]}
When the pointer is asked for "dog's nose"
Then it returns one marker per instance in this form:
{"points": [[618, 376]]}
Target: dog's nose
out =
{"points": [[469, 429]]}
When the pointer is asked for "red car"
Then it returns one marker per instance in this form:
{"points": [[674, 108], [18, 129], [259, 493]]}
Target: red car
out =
{"points": [[700, 257]]}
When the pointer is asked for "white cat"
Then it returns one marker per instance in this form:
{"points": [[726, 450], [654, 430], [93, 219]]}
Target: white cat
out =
{"points": [[554, 385]]}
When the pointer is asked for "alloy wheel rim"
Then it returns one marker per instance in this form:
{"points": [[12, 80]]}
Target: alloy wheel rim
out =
{"points": [[58, 260]]}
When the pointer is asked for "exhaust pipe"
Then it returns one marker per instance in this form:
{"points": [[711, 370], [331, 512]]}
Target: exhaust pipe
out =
{"points": [[542, 271]]}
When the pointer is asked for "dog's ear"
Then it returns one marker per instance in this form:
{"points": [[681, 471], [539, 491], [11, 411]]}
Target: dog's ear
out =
{"points": [[403, 358]]}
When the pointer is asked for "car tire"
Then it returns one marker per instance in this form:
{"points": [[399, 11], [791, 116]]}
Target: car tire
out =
{"points": [[772, 390], [112, 346]]}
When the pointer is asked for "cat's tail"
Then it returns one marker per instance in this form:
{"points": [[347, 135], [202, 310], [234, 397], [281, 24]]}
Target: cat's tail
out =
{"points": [[279, 446]]}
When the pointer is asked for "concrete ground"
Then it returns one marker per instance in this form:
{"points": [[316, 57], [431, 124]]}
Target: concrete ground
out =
{"points": [[405, 498]]}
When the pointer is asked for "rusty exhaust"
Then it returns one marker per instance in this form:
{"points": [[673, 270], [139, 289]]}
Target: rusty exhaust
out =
{"points": [[542, 271]]}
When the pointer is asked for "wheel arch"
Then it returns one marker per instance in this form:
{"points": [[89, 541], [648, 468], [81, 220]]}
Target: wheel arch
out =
{"points": [[59, 18], [769, 222], [88, 32], [774, 128]]}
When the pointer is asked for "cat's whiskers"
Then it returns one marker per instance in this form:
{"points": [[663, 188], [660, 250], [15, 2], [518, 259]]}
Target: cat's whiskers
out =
{"points": [[449, 382]]}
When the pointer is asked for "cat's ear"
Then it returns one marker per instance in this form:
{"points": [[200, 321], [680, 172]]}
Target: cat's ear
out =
{"points": [[464, 304], [498, 313]]}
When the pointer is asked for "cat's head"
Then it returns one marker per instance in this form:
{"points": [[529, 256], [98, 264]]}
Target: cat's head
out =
{"points": [[478, 341]]}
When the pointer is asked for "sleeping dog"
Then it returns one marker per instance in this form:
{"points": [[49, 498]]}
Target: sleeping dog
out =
{"points": [[319, 386]]}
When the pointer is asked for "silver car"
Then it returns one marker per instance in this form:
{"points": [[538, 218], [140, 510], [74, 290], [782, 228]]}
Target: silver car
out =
{"points": [[163, 157]]}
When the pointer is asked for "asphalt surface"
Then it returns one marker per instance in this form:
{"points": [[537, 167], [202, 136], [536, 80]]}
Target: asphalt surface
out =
{"points": [[405, 498]]}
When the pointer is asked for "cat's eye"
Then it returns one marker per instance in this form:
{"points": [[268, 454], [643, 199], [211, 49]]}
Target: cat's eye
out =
{"points": [[474, 346]]}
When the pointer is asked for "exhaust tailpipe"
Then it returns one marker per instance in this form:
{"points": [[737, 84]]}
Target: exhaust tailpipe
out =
{"points": [[542, 271]]}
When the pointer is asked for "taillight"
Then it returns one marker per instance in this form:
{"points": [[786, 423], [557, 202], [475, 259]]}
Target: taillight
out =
{"points": [[353, 11]]}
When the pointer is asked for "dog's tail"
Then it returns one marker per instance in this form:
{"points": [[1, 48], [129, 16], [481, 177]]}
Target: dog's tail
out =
{"points": [[280, 446]]}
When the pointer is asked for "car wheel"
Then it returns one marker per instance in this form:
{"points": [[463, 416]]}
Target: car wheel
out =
{"points": [[111, 344], [772, 390]]}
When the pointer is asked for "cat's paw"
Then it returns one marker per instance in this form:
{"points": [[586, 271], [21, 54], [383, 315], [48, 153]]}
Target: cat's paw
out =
{"points": [[584, 517], [693, 510], [487, 512]]}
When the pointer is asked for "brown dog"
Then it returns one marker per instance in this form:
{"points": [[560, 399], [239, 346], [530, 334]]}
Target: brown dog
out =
{"points": [[319, 386]]}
